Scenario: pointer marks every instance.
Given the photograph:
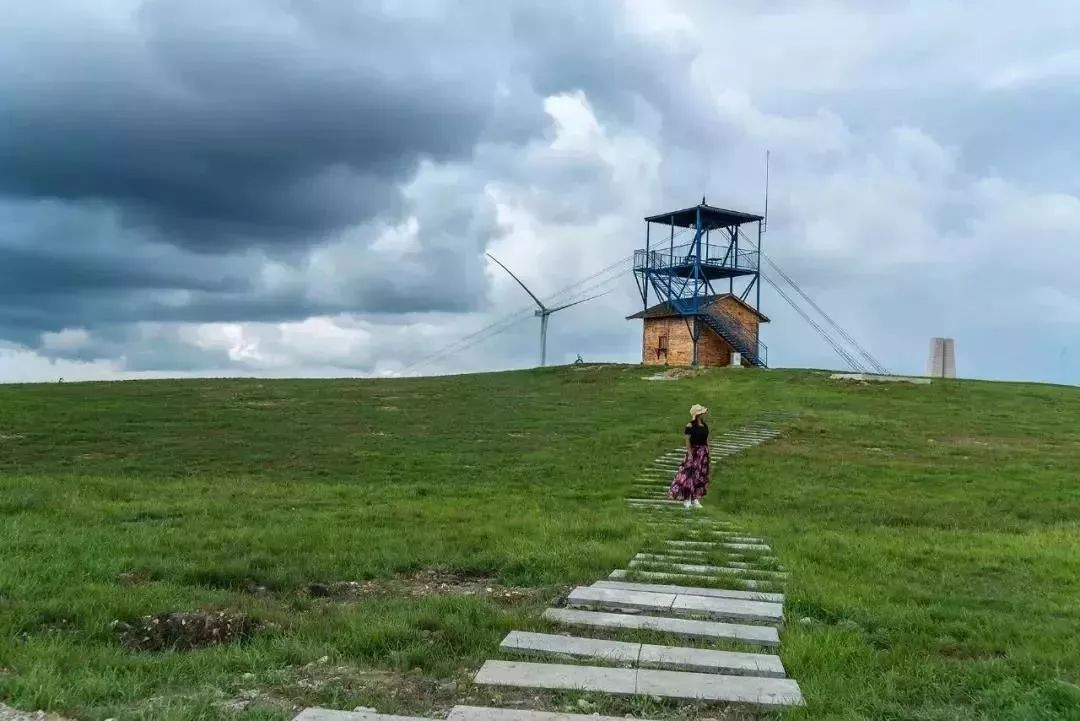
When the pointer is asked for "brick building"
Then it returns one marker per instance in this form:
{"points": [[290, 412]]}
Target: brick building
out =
{"points": [[666, 337]]}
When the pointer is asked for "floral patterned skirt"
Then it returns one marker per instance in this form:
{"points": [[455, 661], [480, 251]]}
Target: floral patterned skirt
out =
{"points": [[692, 479]]}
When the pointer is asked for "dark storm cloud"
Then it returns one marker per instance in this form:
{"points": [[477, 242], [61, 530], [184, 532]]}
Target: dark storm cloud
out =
{"points": [[26, 272], [243, 123], [155, 155]]}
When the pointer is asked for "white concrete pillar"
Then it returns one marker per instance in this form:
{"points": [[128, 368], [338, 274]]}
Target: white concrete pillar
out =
{"points": [[942, 362]]}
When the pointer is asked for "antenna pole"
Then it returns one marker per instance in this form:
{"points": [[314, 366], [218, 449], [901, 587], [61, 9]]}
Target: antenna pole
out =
{"points": [[765, 225]]}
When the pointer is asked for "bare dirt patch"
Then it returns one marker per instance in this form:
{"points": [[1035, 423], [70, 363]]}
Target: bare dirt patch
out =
{"points": [[13, 714], [299, 686], [427, 582], [185, 631], [673, 374], [132, 578]]}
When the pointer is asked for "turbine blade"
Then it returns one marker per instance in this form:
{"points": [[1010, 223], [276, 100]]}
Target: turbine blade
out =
{"points": [[578, 302], [523, 286]]}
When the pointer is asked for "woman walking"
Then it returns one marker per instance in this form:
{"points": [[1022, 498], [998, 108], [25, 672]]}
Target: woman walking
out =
{"points": [[691, 481]]}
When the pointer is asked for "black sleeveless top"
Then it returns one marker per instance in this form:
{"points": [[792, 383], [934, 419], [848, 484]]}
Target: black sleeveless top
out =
{"points": [[698, 432]]}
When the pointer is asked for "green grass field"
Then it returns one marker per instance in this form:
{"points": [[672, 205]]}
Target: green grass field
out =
{"points": [[932, 534]]}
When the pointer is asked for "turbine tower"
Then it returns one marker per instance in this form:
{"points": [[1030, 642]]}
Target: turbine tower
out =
{"points": [[543, 312]]}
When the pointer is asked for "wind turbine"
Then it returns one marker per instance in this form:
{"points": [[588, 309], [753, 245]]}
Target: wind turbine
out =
{"points": [[543, 312]]}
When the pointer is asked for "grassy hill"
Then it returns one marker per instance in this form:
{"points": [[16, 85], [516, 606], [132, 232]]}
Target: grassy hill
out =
{"points": [[932, 534]]}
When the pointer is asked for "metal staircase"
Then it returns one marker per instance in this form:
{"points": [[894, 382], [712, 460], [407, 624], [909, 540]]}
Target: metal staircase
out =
{"points": [[754, 351]]}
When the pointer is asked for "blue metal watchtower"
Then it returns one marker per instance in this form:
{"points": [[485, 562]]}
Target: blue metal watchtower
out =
{"points": [[688, 275]]}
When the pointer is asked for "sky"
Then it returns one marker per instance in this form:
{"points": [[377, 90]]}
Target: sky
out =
{"points": [[309, 188]]}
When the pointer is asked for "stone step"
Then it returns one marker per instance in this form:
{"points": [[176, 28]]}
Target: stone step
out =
{"points": [[617, 599], [728, 609], [481, 713], [712, 534], [695, 552], [747, 546], [316, 713], [703, 660], [720, 609], [693, 568], [761, 635], [752, 559], [716, 551], [598, 679], [675, 658], [704, 523], [682, 545], [697, 526], [692, 591], [596, 648], [622, 573], [678, 557], [764, 563], [754, 690], [758, 565], [728, 537]]}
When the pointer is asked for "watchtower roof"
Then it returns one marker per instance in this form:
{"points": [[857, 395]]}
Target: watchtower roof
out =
{"points": [[711, 217]]}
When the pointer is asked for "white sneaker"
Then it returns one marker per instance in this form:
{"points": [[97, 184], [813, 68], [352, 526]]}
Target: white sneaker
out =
{"points": [[697, 503], [687, 504]]}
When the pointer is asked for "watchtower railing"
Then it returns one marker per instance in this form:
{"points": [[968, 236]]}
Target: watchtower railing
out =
{"points": [[716, 256]]}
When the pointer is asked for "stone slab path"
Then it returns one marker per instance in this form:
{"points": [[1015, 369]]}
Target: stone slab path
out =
{"points": [[646, 560], [691, 591], [762, 691], [688, 628], [668, 592], [622, 573], [674, 658], [675, 603]]}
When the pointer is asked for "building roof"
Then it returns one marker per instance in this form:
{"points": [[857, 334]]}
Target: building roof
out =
{"points": [[710, 217], [664, 310]]}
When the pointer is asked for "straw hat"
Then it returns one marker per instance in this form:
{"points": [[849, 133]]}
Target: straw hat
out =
{"points": [[697, 410]]}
